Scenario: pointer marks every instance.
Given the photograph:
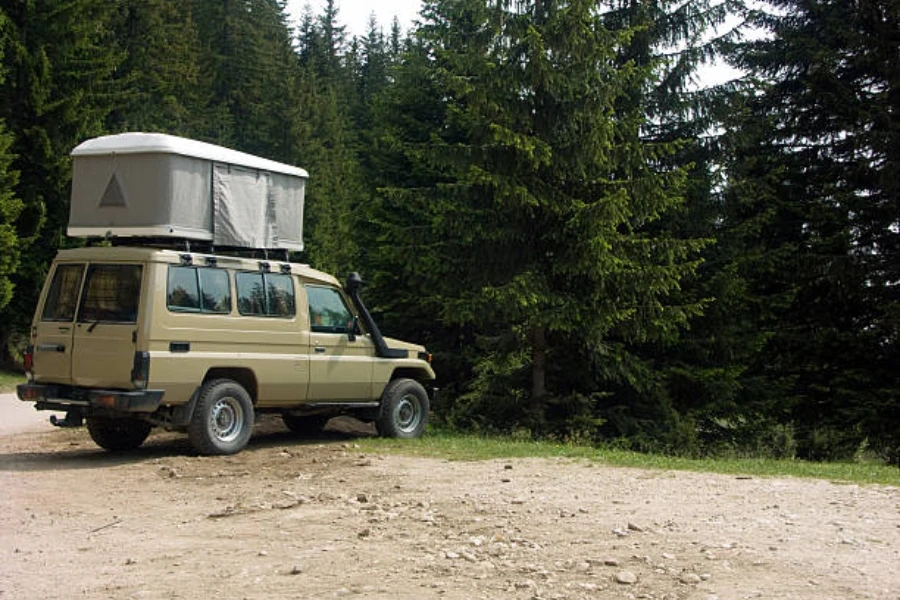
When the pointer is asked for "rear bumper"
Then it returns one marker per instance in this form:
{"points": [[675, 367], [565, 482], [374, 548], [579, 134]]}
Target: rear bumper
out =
{"points": [[63, 398]]}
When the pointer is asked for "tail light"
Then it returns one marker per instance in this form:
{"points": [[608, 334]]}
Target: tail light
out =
{"points": [[140, 373], [28, 362]]}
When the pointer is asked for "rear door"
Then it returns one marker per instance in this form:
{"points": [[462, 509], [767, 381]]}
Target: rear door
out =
{"points": [[340, 368], [105, 332], [52, 331]]}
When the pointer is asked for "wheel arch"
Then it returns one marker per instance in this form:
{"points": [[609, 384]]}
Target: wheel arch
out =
{"points": [[242, 375], [414, 373]]}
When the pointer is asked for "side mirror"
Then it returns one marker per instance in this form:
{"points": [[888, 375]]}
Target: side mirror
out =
{"points": [[353, 329]]}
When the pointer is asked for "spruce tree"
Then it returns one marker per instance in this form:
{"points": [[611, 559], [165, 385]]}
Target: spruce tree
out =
{"points": [[814, 194], [162, 86], [327, 143], [248, 51], [523, 207], [60, 61], [10, 205]]}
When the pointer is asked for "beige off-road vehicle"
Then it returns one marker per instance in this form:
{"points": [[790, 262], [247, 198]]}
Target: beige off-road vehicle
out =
{"points": [[142, 335]]}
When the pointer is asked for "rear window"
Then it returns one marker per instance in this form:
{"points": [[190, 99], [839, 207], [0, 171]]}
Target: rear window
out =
{"points": [[265, 294], [197, 289], [111, 294], [63, 295]]}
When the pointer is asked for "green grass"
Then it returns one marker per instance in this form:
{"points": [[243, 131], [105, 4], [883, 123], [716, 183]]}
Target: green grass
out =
{"points": [[441, 444], [8, 381]]}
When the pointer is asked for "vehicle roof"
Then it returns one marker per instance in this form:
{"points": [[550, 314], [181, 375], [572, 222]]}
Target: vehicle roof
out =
{"points": [[145, 254], [142, 143]]}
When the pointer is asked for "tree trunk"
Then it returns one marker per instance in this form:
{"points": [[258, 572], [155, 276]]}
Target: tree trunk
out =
{"points": [[538, 367]]}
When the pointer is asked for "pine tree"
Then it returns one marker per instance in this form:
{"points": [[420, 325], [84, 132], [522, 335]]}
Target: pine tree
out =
{"points": [[325, 136], [249, 52], [162, 86], [10, 205], [59, 61], [522, 214], [815, 194]]}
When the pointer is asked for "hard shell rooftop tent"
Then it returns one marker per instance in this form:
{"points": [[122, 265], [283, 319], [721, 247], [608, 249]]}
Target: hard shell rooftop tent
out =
{"points": [[156, 185]]}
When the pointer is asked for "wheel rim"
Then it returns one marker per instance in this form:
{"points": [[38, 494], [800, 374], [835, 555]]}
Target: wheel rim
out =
{"points": [[408, 413], [226, 420]]}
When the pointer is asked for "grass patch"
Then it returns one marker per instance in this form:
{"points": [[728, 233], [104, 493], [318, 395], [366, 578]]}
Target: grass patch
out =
{"points": [[452, 446], [9, 380]]}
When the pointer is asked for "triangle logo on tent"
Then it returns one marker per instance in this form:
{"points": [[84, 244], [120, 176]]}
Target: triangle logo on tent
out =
{"points": [[113, 196]]}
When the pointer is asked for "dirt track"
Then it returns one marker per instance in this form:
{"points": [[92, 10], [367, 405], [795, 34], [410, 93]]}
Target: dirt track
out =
{"points": [[289, 518]]}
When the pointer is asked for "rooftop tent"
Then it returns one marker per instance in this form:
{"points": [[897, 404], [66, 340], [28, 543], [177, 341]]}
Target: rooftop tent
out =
{"points": [[156, 185]]}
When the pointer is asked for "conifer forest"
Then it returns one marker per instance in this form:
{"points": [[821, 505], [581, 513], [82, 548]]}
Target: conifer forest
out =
{"points": [[597, 244]]}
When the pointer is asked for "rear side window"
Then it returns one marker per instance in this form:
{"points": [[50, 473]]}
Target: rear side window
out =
{"points": [[328, 313], [197, 289], [265, 294], [111, 294], [63, 295]]}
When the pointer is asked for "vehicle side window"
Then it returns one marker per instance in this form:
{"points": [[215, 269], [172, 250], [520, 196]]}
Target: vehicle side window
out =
{"points": [[111, 294], [328, 313], [63, 294], [193, 289], [265, 294]]}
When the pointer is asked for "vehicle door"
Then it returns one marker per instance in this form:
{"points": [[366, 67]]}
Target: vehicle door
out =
{"points": [[105, 334], [341, 361], [52, 331]]}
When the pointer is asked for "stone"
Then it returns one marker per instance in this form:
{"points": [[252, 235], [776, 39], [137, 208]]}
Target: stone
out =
{"points": [[690, 578], [626, 578]]}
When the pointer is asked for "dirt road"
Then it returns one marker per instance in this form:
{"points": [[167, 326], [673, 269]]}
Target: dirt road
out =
{"points": [[289, 518]]}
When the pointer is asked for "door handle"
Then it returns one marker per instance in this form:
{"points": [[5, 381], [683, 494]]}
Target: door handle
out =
{"points": [[51, 348], [320, 349], [65, 329]]}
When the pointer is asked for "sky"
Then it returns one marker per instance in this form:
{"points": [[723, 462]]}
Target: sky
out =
{"points": [[354, 14]]}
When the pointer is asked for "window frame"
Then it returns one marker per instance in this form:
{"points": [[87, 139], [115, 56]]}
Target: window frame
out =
{"points": [[267, 302], [338, 330], [92, 268], [200, 310], [82, 267]]}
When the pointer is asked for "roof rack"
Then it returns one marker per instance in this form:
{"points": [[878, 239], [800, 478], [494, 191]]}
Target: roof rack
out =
{"points": [[201, 247]]}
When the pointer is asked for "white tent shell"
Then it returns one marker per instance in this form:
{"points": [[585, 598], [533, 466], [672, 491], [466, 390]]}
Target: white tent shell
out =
{"points": [[157, 185]]}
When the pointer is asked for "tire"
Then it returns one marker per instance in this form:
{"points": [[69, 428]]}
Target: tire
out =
{"points": [[118, 434], [404, 410], [305, 425], [223, 418]]}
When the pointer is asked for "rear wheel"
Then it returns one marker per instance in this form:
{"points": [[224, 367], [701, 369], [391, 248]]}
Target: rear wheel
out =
{"points": [[223, 418], [404, 410], [118, 434], [305, 425]]}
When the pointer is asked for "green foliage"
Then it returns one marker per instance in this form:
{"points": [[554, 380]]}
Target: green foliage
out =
{"points": [[10, 205], [522, 202], [162, 86], [10, 208], [447, 445], [9, 381], [59, 61], [595, 248], [811, 214]]}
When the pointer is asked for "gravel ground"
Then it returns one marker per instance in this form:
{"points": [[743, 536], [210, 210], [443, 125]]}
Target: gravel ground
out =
{"points": [[293, 518]]}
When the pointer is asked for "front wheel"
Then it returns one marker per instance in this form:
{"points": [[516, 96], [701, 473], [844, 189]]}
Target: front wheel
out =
{"points": [[223, 418], [404, 410], [118, 434]]}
